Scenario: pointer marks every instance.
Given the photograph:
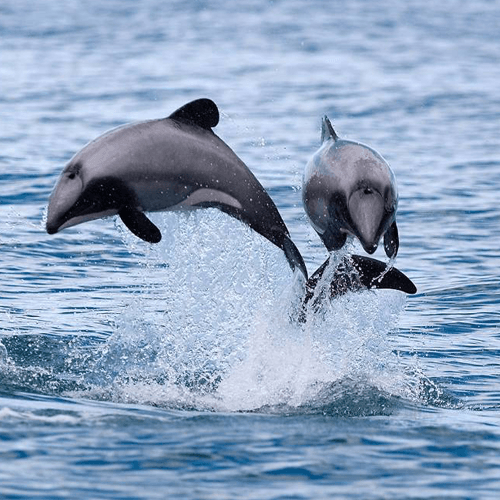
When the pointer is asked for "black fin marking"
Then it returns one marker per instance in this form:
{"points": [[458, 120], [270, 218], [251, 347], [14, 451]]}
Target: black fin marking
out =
{"points": [[139, 224], [391, 241], [293, 256], [327, 130], [202, 112], [356, 273]]}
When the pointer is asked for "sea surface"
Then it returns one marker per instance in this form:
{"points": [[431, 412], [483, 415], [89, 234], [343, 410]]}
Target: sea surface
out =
{"points": [[176, 371]]}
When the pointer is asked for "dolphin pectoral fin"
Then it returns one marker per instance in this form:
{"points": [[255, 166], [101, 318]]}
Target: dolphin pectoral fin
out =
{"points": [[293, 255], [356, 273], [391, 241], [139, 224], [202, 112], [334, 239]]}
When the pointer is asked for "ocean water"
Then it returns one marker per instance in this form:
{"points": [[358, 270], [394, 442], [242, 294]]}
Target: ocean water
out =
{"points": [[133, 371]]}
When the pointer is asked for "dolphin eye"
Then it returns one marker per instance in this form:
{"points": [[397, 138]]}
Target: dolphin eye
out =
{"points": [[368, 191], [74, 170]]}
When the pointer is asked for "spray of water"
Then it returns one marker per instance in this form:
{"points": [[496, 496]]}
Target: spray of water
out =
{"points": [[215, 327]]}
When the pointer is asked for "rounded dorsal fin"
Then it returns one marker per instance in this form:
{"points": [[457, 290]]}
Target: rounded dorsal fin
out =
{"points": [[202, 112], [327, 131]]}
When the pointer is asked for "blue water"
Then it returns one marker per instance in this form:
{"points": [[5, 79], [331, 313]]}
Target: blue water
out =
{"points": [[131, 371]]}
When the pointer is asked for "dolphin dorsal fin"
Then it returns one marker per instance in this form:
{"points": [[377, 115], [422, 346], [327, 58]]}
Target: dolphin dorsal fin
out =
{"points": [[202, 112], [327, 131]]}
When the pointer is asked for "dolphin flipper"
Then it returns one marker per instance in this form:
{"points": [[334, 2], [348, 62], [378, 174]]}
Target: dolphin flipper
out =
{"points": [[391, 241], [356, 273], [139, 224], [333, 238]]}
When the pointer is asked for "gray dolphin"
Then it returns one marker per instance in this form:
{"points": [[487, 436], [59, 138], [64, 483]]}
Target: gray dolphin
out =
{"points": [[348, 188], [175, 163]]}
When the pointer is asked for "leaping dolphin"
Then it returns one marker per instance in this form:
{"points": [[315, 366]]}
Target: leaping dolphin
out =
{"points": [[348, 188], [175, 163]]}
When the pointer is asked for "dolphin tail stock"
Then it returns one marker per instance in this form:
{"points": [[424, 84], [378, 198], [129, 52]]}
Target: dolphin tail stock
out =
{"points": [[278, 234], [293, 256], [355, 273], [139, 224]]}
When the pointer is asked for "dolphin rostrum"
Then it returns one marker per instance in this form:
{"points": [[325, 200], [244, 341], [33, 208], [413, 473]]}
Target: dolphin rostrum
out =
{"points": [[348, 188], [175, 163]]}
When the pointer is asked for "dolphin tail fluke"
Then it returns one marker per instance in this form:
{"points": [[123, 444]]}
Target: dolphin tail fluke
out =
{"points": [[356, 273], [139, 224], [293, 256]]}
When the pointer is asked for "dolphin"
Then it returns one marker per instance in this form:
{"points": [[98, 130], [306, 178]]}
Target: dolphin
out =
{"points": [[174, 163], [349, 189]]}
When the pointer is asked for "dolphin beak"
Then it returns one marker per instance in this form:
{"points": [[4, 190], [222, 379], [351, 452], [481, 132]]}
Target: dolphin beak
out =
{"points": [[61, 201], [55, 219], [366, 208], [51, 227]]}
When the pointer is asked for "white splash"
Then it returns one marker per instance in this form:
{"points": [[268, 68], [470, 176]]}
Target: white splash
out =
{"points": [[214, 328]]}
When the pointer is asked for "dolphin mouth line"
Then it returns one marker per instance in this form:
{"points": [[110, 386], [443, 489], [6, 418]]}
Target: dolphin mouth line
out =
{"points": [[71, 219]]}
